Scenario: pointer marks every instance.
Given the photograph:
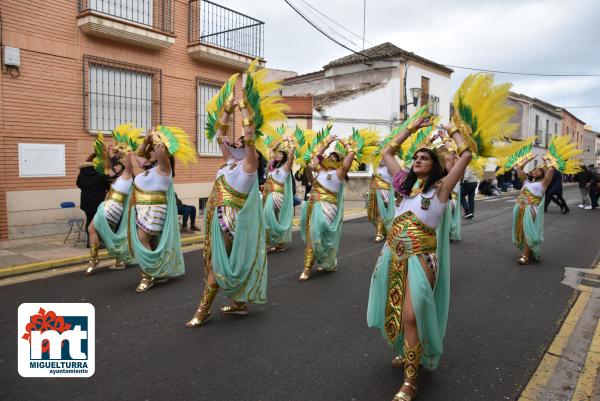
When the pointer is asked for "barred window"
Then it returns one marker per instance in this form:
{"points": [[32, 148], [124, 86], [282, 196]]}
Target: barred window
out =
{"points": [[117, 93], [133, 10], [206, 90]]}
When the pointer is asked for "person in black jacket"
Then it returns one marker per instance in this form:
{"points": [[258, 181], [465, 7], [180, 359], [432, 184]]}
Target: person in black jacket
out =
{"points": [[593, 186], [583, 178], [554, 193], [94, 188]]}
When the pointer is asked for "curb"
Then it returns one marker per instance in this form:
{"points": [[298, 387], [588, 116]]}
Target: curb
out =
{"points": [[17, 270]]}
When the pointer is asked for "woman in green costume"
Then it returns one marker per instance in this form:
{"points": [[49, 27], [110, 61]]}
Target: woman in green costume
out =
{"points": [[528, 213], [322, 214], [234, 243], [278, 202], [154, 231], [108, 223], [409, 295]]}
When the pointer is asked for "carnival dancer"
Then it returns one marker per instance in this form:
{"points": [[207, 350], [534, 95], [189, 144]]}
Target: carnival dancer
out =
{"points": [[528, 213], [380, 200], [234, 243], [409, 294], [108, 223], [154, 237], [277, 196], [322, 215]]}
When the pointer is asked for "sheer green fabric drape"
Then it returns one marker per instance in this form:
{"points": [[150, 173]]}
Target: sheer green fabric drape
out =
{"points": [[533, 229], [386, 212], [115, 241], [279, 224], [242, 274], [430, 305], [166, 260], [324, 237], [455, 222]]}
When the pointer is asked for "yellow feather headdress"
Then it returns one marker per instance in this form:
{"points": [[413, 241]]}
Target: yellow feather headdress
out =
{"points": [[176, 141], [561, 155]]}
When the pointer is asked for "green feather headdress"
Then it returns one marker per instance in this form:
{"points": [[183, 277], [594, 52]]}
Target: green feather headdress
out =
{"points": [[176, 141], [101, 160], [518, 152], [214, 108], [561, 155]]}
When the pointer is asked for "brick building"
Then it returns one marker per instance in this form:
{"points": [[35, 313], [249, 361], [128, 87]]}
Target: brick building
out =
{"points": [[572, 126], [84, 67]]}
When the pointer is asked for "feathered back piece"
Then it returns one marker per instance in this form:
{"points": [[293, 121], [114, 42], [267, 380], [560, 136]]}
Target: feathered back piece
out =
{"points": [[214, 108], [263, 106], [127, 137], [418, 140], [482, 114], [177, 143], [393, 133], [101, 160], [516, 152], [561, 155], [363, 142], [277, 142]]}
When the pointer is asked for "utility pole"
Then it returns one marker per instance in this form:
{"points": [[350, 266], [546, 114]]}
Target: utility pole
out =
{"points": [[364, 20]]}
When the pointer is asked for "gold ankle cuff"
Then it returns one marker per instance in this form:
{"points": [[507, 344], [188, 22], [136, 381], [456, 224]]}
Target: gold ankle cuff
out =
{"points": [[412, 359], [203, 311]]}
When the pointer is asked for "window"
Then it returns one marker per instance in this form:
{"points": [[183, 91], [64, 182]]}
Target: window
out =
{"points": [[556, 128], [117, 93], [424, 90], [206, 90], [547, 132], [537, 130], [139, 11]]}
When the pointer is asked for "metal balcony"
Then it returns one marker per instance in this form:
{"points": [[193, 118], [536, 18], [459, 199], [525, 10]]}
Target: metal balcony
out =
{"points": [[223, 36], [148, 23]]}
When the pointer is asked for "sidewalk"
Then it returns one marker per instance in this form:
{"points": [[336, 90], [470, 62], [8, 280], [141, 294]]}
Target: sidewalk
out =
{"points": [[30, 255]]}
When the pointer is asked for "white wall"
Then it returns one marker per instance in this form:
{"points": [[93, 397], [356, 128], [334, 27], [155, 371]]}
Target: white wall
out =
{"points": [[439, 85]]}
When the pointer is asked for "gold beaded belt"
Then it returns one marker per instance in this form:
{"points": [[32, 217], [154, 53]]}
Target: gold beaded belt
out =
{"points": [[224, 195], [409, 237], [116, 196], [272, 185], [526, 197], [377, 182], [321, 194], [139, 197]]}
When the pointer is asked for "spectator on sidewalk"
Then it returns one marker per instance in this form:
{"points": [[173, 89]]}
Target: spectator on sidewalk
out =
{"points": [[94, 188], [584, 178], [188, 212], [468, 187], [594, 192], [554, 193], [306, 178]]}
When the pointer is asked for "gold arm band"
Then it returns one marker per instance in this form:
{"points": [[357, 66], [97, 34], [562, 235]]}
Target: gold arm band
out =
{"points": [[249, 142], [247, 122], [228, 106], [394, 146], [242, 104], [453, 131], [462, 148], [220, 140]]}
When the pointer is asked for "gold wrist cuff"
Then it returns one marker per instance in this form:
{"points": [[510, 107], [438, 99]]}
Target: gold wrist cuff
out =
{"points": [[394, 146], [242, 104], [462, 148], [220, 140], [228, 107], [453, 130], [249, 142], [247, 122]]}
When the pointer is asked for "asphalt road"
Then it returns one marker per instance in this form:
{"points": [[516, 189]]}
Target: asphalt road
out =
{"points": [[311, 341]]}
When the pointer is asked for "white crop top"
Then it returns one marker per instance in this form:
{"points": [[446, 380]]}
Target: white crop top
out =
{"points": [[236, 176], [536, 188], [150, 180], [430, 217], [122, 185], [279, 175], [385, 174], [329, 180]]}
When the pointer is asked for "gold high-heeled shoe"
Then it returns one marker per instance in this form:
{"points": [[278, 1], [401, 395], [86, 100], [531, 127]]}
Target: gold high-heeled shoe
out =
{"points": [[398, 361], [148, 282], [523, 260], [403, 396], [203, 314], [309, 258], [119, 265], [235, 309], [93, 262], [379, 235]]}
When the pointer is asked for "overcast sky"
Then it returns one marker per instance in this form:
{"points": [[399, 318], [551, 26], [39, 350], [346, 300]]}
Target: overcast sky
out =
{"points": [[540, 36]]}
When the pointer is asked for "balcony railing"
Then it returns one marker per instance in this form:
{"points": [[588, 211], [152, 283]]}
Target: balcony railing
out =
{"points": [[219, 26], [158, 15]]}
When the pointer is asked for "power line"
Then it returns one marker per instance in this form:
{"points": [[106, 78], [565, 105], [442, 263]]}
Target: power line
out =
{"points": [[324, 22], [521, 73], [324, 33], [335, 22], [582, 107]]}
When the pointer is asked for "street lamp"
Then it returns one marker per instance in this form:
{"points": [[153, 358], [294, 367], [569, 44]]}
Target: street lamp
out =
{"points": [[415, 93]]}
